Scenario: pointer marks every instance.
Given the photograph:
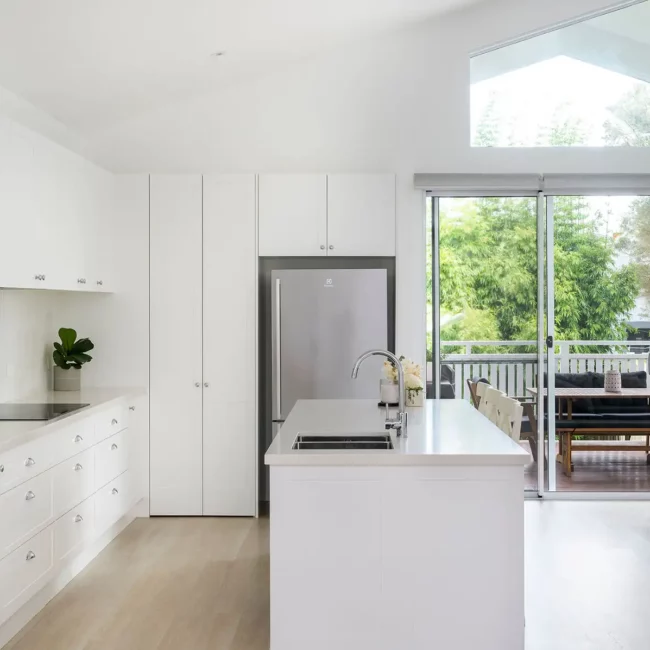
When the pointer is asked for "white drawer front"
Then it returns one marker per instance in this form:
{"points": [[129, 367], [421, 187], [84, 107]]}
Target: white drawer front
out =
{"points": [[73, 529], [111, 502], [74, 439], [22, 571], [110, 421], [73, 481], [111, 458], [25, 462], [24, 509]]}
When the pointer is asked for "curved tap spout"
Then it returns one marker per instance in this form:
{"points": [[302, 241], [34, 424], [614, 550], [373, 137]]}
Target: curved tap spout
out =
{"points": [[400, 423]]}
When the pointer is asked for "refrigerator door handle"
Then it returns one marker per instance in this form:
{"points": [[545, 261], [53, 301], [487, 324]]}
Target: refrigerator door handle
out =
{"points": [[278, 351]]}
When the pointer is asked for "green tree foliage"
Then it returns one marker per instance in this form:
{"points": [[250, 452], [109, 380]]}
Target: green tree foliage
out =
{"points": [[630, 122], [488, 248], [488, 269], [630, 126]]}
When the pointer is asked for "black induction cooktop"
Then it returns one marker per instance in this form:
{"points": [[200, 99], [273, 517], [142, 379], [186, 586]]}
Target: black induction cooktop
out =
{"points": [[17, 412]]}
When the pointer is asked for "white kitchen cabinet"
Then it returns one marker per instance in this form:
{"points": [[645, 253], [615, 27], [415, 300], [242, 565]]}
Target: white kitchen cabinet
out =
{"points": [[25, 571], [49, 517], [335, 215], [292, 215], [229, 345], [361, 215], [176, 347], [203, 345], [54, 207], [74, 529]]}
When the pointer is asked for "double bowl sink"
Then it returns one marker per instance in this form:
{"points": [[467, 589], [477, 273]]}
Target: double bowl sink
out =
{"points": [[333, 442]]}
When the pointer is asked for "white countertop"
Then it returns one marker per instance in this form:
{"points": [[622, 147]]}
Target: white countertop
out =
{"points": [[443, 432], [14, 434]]}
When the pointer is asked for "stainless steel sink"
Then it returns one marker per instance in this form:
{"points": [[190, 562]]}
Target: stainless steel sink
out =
{"points": [[344, 441]]}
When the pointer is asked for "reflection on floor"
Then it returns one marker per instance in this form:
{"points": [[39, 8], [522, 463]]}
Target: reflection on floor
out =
{"points": [[203, 584], [599, 471]]}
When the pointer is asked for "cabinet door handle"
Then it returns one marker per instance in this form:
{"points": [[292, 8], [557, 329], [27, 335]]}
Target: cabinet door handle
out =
{"points": [[2, 469], [322, 247], [198, 384], [29, 496], [78, 439], [113, 421], [115, 491], [78, 467], [78, 518], [30, 462], [331, 247], [113, 447], [207, 384], [100, 282], [30, 556], [131, 408]]}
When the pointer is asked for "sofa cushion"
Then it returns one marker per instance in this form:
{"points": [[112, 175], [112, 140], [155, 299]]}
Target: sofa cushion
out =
{"points": [[575, 380]]}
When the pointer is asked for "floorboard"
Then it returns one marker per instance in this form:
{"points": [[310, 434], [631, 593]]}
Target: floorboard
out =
{"points": [[199, 584]]}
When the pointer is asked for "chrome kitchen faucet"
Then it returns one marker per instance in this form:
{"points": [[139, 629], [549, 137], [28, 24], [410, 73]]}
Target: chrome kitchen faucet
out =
{"points": [[401, 421]]}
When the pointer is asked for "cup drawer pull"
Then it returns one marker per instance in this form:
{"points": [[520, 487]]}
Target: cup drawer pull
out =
{"points": [[113, 447], [115, 491], [30, 556], [78, 519], [78, 439], [30, 462], [78, 467], [29, 496], [113, 421]]}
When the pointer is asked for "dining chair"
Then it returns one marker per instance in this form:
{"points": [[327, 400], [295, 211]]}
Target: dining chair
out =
{"points": [[489, 403], [510, 414], [476, 388]]}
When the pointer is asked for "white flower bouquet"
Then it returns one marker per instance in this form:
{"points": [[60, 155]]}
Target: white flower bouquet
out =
{"points": [[412, 379]]}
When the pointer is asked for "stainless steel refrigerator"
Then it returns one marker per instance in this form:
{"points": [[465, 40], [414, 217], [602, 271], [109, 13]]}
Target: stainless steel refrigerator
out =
{"points": [[321, 321]]}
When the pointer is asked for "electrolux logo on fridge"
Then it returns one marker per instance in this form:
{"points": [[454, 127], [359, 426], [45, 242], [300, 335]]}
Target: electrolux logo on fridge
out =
{"points": [[329, 283]]}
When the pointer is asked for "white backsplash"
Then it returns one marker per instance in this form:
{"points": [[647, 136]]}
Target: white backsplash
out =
{"points": [[27, 330]]}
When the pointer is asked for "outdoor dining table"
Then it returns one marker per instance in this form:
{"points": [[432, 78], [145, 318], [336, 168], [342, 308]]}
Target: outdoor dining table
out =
{"points": [[566, 397]]}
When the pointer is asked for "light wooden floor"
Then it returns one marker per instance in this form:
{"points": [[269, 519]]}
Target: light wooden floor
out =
{"points": [[165, 584], [198, 584]]}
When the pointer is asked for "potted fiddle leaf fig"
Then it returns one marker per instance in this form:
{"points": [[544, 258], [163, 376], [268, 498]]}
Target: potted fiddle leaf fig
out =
{"points": [[69, 356]]}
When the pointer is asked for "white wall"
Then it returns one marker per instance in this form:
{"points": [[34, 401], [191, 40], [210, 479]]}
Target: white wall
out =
{"points": [[27, 329], [399, 103], [118, 323]]}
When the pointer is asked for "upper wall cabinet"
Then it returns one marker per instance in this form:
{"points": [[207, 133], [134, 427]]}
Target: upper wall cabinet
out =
{"points": [[55, 210], [361, 214], [292, 215], [337, 215]]}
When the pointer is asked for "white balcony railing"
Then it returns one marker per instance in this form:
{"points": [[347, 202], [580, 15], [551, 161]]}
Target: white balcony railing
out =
{"points": [[513, 372]]}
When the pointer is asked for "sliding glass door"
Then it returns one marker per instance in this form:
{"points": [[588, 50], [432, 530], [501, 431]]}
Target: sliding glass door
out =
{"points": [[540, 293], [597, 250], [483, 311]]}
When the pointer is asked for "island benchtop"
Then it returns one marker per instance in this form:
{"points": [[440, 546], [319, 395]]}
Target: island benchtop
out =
{"points": [[442, 432]]}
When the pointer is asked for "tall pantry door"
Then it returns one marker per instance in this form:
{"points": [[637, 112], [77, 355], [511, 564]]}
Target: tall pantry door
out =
{"points": [[229, 345], [176, 348]]}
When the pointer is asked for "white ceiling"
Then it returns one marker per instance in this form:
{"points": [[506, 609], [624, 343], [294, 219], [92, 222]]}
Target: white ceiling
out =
{"points": [[93, 63]]}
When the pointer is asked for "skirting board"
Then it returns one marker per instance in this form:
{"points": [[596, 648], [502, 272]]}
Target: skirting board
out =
{"points": [[10, 628]]}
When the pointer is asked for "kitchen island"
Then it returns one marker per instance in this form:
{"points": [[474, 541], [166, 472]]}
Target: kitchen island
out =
{"points": [[419, 546]]}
